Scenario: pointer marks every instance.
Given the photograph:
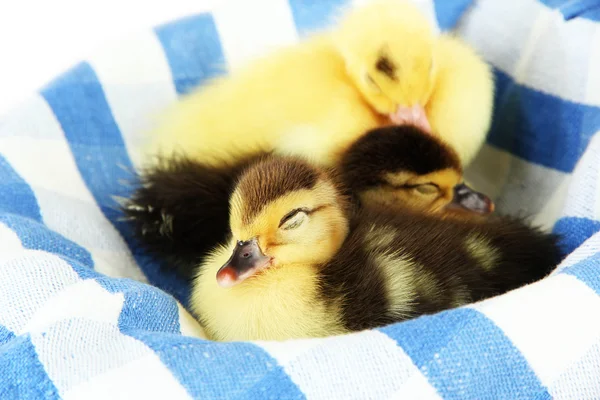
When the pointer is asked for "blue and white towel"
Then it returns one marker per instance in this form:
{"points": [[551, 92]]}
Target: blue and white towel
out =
{"points": [[79, 318]]}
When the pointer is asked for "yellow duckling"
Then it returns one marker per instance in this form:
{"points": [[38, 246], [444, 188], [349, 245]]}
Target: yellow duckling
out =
{"points": [[403, 70], [317, 97]]}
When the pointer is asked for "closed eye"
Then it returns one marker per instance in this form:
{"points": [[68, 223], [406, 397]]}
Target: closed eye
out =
{"points": [[292, 214], [423, 188], [372, 82]]}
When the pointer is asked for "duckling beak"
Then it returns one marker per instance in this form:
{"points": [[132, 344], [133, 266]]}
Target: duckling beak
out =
{"points": [[414, 115], [467, 198], [246, 260]]}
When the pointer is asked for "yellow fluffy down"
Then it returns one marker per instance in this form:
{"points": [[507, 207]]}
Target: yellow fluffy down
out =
{"points": [[316, 97], [282, 304], [460, 107], [299, 101]]}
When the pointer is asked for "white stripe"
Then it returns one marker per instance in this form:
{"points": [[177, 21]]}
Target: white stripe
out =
{"points": [[10, 244], [593, 80], [558, 59], [519, 187], [144, 378], [537, 46], [248, 29], [84, 299], [588, 249], [581, 381], [489, 171], [552, 210], [137, 82], [92, 359], [497, 32], [553, 322], [426, 6], [33, 142], [539, 27], [27, 282], [582, 199], [354, 366], [532, 188], [594, 148]]}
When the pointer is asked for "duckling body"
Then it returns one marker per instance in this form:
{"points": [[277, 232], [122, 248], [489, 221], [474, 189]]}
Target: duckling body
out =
{"points": [[317, 97], [297, 100], [282, 304], [404, 265], [302, 263]]}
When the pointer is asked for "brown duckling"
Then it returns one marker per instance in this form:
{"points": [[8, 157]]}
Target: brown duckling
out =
{"points": [[403, 166], [302, 263]]}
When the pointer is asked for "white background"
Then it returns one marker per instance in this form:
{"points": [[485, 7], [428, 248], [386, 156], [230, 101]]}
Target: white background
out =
{"points": [[39, 39]]}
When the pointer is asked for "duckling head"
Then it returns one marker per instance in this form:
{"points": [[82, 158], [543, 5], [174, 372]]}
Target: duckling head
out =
{"points": [[388, 48], [404, 167], [283, 211]]}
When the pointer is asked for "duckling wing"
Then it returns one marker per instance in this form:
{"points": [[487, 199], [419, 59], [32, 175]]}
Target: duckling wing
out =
{"points": [[180, 210]]}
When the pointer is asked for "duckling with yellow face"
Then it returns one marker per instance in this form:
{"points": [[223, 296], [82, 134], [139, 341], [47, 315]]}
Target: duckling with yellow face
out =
{"points": [[437, 83], [286, 220], [404, 167], [302, 262]]}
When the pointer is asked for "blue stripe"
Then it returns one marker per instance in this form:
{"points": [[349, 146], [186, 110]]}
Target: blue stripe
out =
{"points": [[36, 236], [79, 104], [145, 307], [16, 197], [587, 9], [593, 14], [464, 355], [193, 50], [587, 271], [5, 335], [23, 377], [448, 13], [539, 127], [311, 16], [21, 213], [574, 231], [210, 370]]}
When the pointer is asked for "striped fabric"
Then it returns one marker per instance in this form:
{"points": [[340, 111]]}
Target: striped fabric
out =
{"points": [[85, 315]]}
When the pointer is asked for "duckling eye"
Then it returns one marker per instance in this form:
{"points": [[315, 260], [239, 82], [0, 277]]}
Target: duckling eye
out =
{"points": [[293, 219], [427, 188], [372, 82]]}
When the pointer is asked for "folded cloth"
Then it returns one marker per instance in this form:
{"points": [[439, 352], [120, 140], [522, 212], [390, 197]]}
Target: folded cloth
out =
{"points": [[84, 314]]}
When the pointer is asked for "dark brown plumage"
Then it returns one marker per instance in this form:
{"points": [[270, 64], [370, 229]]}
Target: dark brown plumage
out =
{"points": [[296, 176], [449, 271], [393, 149], [180, 209], [337, 272]]}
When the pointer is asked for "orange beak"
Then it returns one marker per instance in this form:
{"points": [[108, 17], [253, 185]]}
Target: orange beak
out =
{"points": [[414, 115]]}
